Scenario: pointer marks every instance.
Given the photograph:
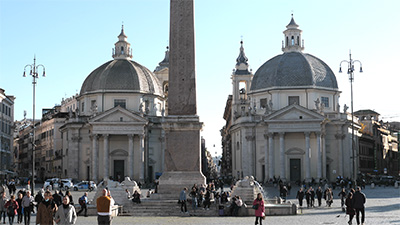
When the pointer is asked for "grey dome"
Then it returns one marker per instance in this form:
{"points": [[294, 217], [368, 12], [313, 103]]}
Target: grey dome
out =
{"points": [[292, 70], [121, 75]]}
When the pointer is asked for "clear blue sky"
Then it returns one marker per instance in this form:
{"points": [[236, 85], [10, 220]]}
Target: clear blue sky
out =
{"points": [[72, 38]]}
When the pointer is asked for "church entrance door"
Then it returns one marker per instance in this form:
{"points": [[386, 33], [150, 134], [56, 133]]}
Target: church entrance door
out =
{"points": [[119, 168], [295, 170]]}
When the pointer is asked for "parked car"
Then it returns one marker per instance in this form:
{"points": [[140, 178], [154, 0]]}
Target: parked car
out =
{"points": [[84, 185], [48, 183], [386, 180], [66, 184]]}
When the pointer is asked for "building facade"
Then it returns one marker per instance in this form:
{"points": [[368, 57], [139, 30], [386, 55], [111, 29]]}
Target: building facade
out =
{"points": [[286, 120], [6, 133]]}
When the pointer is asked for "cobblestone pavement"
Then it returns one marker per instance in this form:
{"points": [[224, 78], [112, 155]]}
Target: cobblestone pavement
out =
{"points": [[382, 207]]}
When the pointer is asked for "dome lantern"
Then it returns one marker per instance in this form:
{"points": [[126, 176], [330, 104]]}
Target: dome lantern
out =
{"points": [[292, 38], [122, 48]]}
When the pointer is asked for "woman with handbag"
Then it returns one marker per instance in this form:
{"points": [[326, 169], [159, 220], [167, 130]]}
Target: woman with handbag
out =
{"points": [[258, 205]]}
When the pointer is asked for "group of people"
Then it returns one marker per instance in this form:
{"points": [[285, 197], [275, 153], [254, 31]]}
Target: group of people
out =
{"points": [[310, 194], [20, 207]]}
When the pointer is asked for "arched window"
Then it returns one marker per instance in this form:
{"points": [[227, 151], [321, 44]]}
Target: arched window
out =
{"points": [[287, 40], [292, 40], [298, 40], [122, 50]]}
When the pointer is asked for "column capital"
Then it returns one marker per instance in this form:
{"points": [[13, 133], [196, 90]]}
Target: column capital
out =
{"points": [[94, 136], [250, 137], [340, 136], [281, 134], [307, 134]]}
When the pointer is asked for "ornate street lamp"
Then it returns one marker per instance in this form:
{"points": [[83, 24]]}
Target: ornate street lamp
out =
{"points": [[350, 72], [34, 73]]}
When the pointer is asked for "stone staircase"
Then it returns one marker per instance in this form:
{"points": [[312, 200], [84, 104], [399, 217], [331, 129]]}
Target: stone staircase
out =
{"points": [[165, 208]]}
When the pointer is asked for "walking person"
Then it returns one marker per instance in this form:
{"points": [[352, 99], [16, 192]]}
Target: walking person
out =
{"points": [[300, 196], [193, 195], [27, 205], [308, 197], [71, 199], [329, 197], [104, 207], [258, 205], [342, 196], [11, 206], [319, 195], [3, 210], [350, 208], [19, 210], [182, 199], [46, 210], [83, 201], [312, 197], [359, 200], [66, 213]]}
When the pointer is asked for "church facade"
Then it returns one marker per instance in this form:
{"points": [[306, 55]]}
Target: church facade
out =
{"points": [[114, 126], [285, 121]]}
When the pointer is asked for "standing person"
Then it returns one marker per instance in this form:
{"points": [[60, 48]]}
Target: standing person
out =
{"points": [[239, 204], [46, 210], [319, 195], [349, 207], [19, 210], [300, 196], [342, 196], [284, 192], [329, 197], [57, 198], [38, 198], [207, 199], [308, 197], [3, 201], [358, 204], [66, 213], [259, 211], [83, 201], [71, 199], [104, 206], [11, 206], [312, 197], [193, 195], [27, 205], [182, 199]]}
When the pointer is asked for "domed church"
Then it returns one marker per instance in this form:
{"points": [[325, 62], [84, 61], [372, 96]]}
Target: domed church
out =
{"points": [[284, 121], [115, 130]]}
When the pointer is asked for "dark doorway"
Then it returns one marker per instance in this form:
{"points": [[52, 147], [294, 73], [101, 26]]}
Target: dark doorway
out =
{"points": [[150, 174], [88, 173], [295, 170], [328, 177], [119, 168]]}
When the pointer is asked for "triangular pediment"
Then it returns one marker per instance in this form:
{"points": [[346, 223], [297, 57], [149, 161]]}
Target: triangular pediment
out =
{"points": [[118, 114], [294, 113]]}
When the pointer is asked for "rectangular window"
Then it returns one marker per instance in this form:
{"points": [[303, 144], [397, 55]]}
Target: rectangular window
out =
{"points": [[263, 103], [120, 102], [294, 100], [83, 107], [325, 101]]}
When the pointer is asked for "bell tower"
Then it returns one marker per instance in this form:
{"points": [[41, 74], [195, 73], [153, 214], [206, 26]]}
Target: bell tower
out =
{"points": [[292, 38]]}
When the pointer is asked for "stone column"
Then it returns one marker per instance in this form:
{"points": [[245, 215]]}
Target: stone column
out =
{"points": [[323, 155], [266, 158], [130, 156], [162, 143], [319, 156], [340, 137], [95, 157], [106, 157], [142, 175], [271, 151], [307, 157], [250, 160], [282, 155]]}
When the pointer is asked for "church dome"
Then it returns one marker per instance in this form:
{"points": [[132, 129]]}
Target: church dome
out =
{"points": [[294, 69], [121, 75]]}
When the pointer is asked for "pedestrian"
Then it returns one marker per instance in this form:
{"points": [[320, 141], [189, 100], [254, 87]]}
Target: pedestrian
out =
{"points": [[258, 205], [342, 194], [71, 199], [12, 207], [308, 197], [349, 207], [27, 205], [66, 213], [136, 197], [38, 198], [182, 199], [46, 210], [193, 195], [57, 198], [104, 206], [319, 195], [19, 210], [83, 201], [284, 192], [312, 197], [359, 200], [238, 206], [3, 201], [329, 197], [207, 199], [300, 196]]}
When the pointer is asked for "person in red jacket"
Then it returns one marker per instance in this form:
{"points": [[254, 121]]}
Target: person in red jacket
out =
{"points": [[258, 205], [11, 207]]}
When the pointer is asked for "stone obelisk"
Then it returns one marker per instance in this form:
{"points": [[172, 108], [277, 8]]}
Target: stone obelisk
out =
{"points": [[182, 166]]}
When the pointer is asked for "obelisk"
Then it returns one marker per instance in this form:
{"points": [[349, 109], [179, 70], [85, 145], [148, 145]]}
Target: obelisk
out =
{"points": [[182, 166]]}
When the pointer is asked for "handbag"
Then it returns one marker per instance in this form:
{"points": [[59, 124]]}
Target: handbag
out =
{"points": [[255, 206]]}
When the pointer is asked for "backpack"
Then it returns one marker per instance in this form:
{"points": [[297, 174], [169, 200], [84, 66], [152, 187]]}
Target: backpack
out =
{"points": [[82, 200], [10, 209]]}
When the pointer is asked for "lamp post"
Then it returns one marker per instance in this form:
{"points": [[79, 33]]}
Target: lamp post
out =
{"points": [[34, 73], [350, 72]]}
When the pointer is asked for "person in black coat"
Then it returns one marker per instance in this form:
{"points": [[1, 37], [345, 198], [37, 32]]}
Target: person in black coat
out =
{"points": [[300, 196], [349, 207], [359, 200], [319, 193]]}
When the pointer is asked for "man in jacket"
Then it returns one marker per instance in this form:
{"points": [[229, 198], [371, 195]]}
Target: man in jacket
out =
{"points": [[104, 207], [358, 204], [46, 210], [83, 201], [182, 199], [27, 205]]}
